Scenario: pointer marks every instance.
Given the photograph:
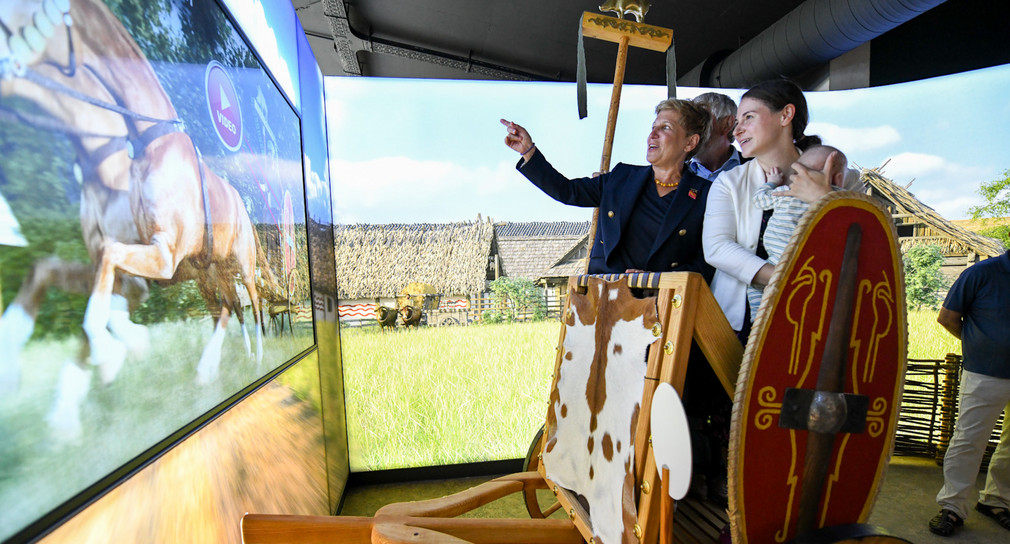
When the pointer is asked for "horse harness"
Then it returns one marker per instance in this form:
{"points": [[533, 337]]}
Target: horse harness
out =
{"points": [[33, 37]]}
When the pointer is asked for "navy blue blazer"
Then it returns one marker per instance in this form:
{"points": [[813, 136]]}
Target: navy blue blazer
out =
{"points": [[677, 245]]}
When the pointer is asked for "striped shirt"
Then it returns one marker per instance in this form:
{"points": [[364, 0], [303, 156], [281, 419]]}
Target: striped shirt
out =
{"points": [[781, 225]]}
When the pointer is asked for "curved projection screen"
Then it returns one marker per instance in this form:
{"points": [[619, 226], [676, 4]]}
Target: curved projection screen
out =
{"points": [[426, 193], [151, 192]]}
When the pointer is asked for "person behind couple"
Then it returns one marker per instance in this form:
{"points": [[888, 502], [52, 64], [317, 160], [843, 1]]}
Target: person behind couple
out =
{"points": [[650, 216], [716, 153], [771, 121], [787, 210]]}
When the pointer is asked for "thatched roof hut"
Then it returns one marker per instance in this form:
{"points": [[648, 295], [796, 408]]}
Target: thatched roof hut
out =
{"points": [[380, 260], [542, 249], [918, 224]]}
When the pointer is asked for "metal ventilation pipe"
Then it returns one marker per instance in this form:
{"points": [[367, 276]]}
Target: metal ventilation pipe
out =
{"points": [[815, 32]]}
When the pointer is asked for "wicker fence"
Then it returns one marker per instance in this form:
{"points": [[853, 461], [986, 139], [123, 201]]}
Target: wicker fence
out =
{"points": [[485, 301], [929, 409]]}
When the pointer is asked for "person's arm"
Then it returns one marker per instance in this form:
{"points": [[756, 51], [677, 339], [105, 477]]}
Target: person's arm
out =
{"points": [[763, 198], [951, 320], [719, 236], [584, 192], [763, 275]]}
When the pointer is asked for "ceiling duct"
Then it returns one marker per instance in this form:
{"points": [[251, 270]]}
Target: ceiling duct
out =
{"points": [[813, 33]]}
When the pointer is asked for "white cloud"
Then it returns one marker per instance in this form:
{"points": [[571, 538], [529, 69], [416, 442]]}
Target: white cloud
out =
{"points": [[947, 187], [254, 21], [905, 166], [402, 189], [314, 187], [853, 140]]}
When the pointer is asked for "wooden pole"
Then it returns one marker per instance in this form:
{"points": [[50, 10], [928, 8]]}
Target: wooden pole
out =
{"points": [[608, 135], [830, 379], [615, 103], [666, 511]]}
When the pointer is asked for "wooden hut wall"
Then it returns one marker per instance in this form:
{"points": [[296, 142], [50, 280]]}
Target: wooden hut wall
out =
{"points": [[375, 262]]}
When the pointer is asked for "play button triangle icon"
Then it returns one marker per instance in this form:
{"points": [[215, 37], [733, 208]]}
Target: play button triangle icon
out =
{"points": [[225, 104]]}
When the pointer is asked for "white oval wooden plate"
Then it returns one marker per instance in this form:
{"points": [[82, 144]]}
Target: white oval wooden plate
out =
{"points": [[671, 439]]}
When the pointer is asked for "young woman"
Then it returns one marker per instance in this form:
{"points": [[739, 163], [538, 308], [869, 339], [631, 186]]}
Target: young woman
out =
{"points": [[771, 121]]}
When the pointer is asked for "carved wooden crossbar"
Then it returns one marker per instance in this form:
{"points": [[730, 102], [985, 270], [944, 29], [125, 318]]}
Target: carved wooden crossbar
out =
{"points": [[686, 310]]}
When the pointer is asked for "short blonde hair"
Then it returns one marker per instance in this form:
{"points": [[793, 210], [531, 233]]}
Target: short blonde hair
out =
{"points": [[695, 119]]}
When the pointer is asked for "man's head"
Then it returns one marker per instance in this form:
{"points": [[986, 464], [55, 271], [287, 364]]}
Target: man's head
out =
{"points": [[815, 157], [723, 111]]}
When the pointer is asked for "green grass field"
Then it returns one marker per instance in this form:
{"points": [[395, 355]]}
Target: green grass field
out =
{"points": [[430, 396], [434, 396], [927, 339]]}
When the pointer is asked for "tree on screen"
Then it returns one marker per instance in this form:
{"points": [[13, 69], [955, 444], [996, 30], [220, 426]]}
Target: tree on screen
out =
{"points": [[923, 280], [996, 195]]}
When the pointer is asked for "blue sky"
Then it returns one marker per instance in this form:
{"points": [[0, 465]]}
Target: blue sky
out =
{"points": [[271, 28], [432, 151]]}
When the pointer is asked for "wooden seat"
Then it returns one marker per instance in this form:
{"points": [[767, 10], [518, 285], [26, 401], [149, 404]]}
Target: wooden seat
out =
{"points": [[682, 309]]}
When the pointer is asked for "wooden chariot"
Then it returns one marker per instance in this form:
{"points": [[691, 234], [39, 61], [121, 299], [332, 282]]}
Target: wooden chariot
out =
{"points": [[815, 405], [684, 310]]}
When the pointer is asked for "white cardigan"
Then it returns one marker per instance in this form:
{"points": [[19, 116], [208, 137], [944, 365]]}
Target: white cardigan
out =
{"points": [[730, 234]]}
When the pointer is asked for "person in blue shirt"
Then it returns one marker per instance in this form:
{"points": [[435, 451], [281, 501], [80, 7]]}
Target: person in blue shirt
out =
{"points": [[975, 311], [716, 154]]}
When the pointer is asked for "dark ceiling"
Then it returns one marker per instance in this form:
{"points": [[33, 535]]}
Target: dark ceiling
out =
{"points": [[536, 39]]}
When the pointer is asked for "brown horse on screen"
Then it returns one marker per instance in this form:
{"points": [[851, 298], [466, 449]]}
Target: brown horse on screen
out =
{"points": [[150, 207]]}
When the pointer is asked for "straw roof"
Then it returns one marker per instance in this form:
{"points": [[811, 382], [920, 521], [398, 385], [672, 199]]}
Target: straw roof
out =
{"points": [[928, 226], [534, 249], [380, 260]]}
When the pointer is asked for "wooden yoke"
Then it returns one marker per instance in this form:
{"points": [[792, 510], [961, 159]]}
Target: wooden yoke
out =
{"points": [[625, 34], [602, 321]]}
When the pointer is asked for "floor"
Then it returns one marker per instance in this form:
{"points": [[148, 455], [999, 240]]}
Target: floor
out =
{"points": [[904, 507]]}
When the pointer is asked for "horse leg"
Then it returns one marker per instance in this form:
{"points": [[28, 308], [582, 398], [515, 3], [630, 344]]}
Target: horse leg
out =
{"points": [[231, 298], [129, 292], [245, 253], [250, 285], [152, 261], [18, 321], [64, 418], [107, 211], [210, 360], [238, 310]]}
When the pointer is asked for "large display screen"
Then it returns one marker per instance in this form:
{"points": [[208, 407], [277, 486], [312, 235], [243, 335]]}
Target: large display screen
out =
{"points": [[153, 243]]}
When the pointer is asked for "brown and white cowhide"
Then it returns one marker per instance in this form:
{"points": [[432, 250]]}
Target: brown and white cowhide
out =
{"points": [[594, 407]]}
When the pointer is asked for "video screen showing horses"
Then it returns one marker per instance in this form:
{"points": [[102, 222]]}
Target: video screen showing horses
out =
{"points": [[153, 251]]}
